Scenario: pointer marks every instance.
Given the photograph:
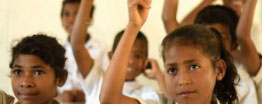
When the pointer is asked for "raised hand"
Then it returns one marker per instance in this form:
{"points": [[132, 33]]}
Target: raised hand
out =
{"points": [[138, 11]]}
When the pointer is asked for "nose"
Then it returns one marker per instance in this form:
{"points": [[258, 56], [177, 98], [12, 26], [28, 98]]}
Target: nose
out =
{"points": [[27, 82], [184, 78], [72, 19]]}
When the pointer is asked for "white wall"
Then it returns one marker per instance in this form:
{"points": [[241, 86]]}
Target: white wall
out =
{"points": [[19, 18]]}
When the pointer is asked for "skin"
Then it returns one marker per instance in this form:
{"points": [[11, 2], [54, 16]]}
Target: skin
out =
{"points": [[69, 16], [33, 81], [136, 61], [190, 76], [116, 72]]}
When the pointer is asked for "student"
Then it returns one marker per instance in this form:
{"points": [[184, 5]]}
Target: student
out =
{"points": [[37, 70], [198, 70], [128, 61], [81, 76], [5, 98], [236, 33]]}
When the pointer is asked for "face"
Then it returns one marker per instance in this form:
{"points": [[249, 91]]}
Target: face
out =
{"points": [[136, 60], [225, 34], [236, 5], [190, 77], [69, 15], [33, 81]]}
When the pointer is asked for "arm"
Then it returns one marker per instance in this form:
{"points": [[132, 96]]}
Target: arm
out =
{"points": [[112, 87], [156, 74], [248, 54], [78, 38], [169, 15], [189, 19]]}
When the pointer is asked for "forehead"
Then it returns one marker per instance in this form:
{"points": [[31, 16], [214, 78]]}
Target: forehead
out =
{"points": [[71, 6], [223, 30], [26, 60], [181, 53], [140, 46]]}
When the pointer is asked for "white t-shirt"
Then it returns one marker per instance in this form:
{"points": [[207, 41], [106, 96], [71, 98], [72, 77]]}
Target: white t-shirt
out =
{"points": [[75, 79], [144, 94], [249, 87]]}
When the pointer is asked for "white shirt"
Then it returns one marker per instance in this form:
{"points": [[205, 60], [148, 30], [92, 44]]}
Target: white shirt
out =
{"points": [[249, 88], [144, 94], [75, 79]]}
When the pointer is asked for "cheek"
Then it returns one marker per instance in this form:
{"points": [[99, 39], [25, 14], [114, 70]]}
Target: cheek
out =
{"points": [[171, 84]]}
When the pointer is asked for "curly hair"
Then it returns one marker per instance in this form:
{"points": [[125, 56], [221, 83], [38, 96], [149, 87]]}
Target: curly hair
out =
{"points": [[209, 40], [45, 47], [221, 15]]}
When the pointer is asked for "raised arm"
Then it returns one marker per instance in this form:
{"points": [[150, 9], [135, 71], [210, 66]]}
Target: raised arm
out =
{"points": [[112, 87], [169, 15], [248, 54], [78, 38], [189, 19]]}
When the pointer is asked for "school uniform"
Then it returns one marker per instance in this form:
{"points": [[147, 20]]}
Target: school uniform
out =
{"points": [[5, 98], [249, 88], [75, 79], [144, 94]]}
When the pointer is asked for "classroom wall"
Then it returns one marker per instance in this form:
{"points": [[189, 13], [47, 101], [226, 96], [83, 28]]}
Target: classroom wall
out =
{"points": [[19, 18]]}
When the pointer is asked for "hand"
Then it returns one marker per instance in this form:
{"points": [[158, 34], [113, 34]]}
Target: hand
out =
{"points": [[138, 11], [66, 96], [152, 64]]}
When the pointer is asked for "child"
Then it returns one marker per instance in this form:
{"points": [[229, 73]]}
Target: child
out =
{"points": [[37, 70], [237, 40], [128, 61], [81, 76], [198, 70]]}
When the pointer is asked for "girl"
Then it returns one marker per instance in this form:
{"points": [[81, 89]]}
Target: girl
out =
{"points": [[198, 69], [37, 69]]}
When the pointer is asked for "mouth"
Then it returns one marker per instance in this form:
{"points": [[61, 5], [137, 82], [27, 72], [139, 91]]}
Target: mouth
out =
{"points": [[186, 93], [27, 95]]}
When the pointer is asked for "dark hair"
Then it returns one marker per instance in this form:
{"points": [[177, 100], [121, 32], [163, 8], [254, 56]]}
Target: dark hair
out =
{"points": [[45, 47], [209, 40], [221, 15], [75, 1], [140, 36]]}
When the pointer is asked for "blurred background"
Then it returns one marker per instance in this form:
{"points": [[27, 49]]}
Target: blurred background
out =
{"points": [[19, 18]]}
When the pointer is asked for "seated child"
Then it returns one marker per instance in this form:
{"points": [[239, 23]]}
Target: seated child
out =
{"points": [[81, 77], [37, 69], [198, 70], [128, 60]]}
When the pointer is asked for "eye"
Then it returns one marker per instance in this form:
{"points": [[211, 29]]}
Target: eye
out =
{"points": [[66, 14], [39, 72], [194, 67], [17, 72], [171, 71]]}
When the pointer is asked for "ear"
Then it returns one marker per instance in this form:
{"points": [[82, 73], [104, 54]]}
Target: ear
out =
{"points": [[110, 55], [62, 79], [234, 46], [220, 69]]}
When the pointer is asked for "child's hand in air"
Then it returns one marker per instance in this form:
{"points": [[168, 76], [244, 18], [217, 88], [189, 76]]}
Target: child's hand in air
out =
{"points": [[138, 11]]}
